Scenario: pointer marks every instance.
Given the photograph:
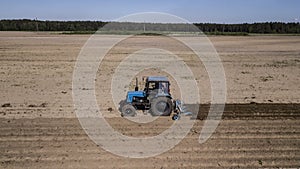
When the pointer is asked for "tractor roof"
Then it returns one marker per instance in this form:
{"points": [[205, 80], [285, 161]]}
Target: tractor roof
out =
{"points": [[158, 79]]}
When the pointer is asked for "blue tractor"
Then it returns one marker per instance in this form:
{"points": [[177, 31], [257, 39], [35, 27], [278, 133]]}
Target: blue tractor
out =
{"points": [[155, 98]]}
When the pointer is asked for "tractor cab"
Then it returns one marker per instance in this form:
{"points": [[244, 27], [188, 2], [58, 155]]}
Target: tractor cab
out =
{"points": [[157, 86]]}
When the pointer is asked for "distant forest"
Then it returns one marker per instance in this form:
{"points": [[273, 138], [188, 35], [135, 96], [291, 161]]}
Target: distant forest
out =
{"points": [[92, 26]]}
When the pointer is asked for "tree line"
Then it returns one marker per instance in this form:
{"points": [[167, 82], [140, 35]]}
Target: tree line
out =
{"points": [[37, 25], [266, 27]]}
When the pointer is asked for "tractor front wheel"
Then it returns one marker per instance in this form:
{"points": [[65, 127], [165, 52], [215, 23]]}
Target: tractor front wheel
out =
{"points": [[128, 110], [161, 106]]}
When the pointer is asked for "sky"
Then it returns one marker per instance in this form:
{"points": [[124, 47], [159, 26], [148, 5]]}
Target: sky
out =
{"points": [[208, 11]]}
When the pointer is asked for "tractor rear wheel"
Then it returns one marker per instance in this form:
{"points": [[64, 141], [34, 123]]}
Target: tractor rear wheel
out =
{"points": [[128, 110], [161, 106]]}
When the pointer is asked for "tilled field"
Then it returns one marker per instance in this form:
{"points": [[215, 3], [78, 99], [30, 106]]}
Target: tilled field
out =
{"points": [[240, 141], [259, 127]]}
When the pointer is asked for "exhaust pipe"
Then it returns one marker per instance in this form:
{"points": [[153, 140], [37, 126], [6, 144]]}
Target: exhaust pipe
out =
{"points": [[136, 84]]}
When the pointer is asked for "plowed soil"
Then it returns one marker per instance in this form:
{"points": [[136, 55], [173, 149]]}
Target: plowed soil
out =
{"points": [[260, 127]]}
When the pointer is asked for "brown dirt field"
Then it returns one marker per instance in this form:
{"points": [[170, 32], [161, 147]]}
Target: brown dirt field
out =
{"points": [[39, 129]]}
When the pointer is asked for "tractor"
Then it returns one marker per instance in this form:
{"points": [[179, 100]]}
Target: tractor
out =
{"points": [[155, 99]]}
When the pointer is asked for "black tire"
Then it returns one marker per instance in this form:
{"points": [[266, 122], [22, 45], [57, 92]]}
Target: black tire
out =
{"points": [[122, 104], [128, 110], [161, 106]]}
